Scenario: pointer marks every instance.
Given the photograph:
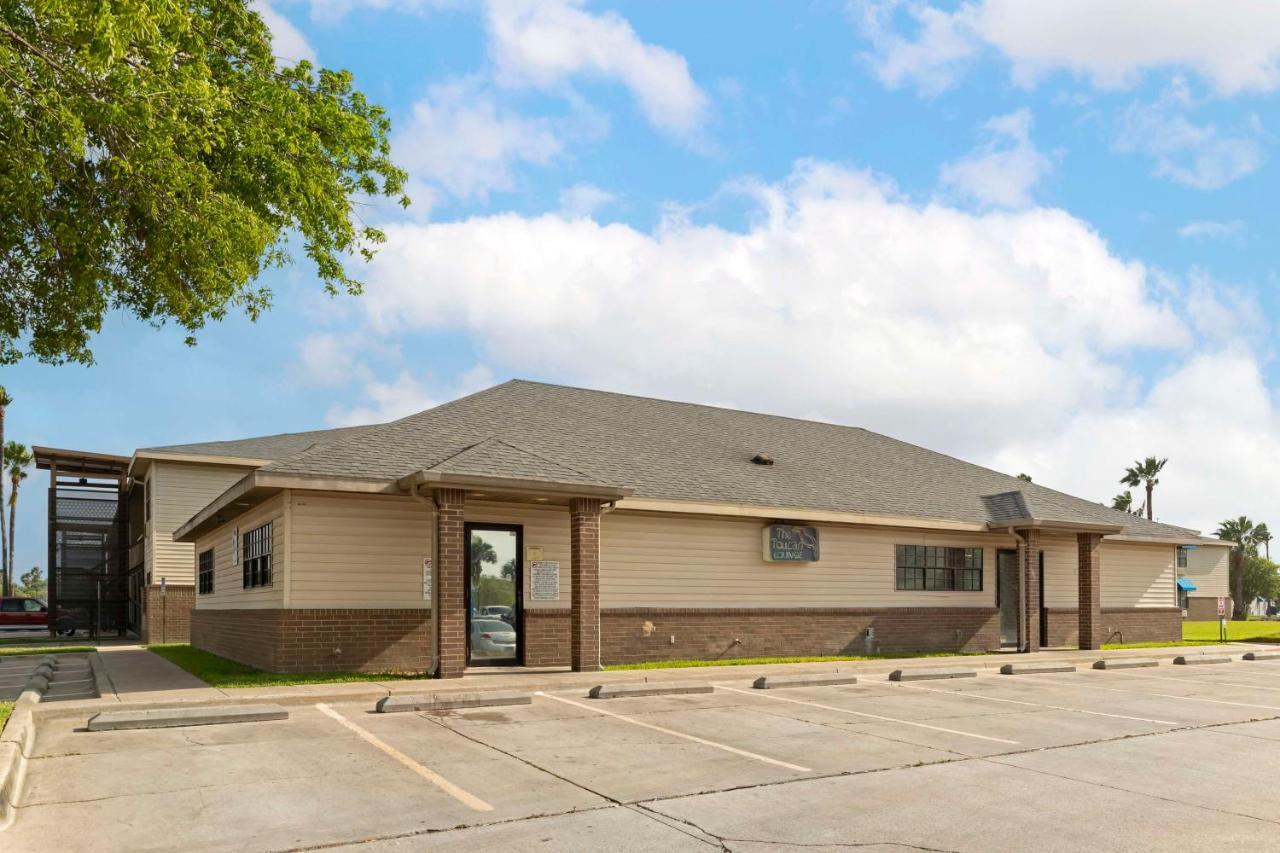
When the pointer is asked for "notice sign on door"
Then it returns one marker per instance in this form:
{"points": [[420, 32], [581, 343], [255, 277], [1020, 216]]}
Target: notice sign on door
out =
{"points": [[544, 580], [426, 578]]}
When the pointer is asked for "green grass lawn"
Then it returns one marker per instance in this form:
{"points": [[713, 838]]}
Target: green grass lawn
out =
{"points": [[6, 651], [1207, 632], [219, 672], [6, 708], [682, 664]]}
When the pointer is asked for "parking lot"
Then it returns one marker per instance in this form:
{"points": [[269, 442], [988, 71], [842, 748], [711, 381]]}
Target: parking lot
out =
{"points": [[1169, 757]]}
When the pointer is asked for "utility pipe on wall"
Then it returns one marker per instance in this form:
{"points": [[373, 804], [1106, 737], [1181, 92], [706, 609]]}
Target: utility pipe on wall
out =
{"points": [[1024, 638], [434, 509]]}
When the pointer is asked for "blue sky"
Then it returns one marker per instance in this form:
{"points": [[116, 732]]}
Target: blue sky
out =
{"points": [[1040, 236]]}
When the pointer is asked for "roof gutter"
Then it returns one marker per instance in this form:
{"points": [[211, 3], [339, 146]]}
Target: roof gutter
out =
{"points": [[541, 488]]}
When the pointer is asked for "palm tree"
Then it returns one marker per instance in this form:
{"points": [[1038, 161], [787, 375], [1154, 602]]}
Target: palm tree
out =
{"points": [[1146, 472], [1262, 536], [1026, 478], [5, 402], [1244, 533], [481, 552], [19, 459], [1123, 501]]}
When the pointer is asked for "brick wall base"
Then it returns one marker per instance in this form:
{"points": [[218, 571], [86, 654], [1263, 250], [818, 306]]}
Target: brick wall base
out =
{"points": [[1119, 625], [1202, 609], [317, 640], [167, 618], [400, 641], [633, 635]]}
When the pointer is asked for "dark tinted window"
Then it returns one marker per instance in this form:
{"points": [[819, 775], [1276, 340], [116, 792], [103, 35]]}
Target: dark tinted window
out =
{"points": [[11, 605]]}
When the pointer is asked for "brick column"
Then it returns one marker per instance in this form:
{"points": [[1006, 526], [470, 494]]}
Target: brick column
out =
{"points": [[584, 608], [1029, 578], [1089, 572], [451, 579]]}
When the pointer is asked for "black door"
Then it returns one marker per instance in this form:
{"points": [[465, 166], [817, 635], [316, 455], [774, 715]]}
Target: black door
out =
{"points": [[495, 635]]}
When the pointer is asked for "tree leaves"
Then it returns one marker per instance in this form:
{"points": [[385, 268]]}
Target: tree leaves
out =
{"points": [[155, 159]]}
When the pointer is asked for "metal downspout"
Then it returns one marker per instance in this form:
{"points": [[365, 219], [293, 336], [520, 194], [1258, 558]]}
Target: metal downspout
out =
{"points": [[434, 509], [1024, 640]]}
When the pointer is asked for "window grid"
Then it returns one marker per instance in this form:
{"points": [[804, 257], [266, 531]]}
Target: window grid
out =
{"points": [[1182, 558], [255, 547], [938, 568], [204, 573]]}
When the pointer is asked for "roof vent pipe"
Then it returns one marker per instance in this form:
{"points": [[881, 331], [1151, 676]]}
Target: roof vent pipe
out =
{"points": [[762, 459]]}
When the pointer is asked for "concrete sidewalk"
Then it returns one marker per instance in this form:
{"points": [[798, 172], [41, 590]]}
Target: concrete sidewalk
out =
{"points": [[136, 677]]}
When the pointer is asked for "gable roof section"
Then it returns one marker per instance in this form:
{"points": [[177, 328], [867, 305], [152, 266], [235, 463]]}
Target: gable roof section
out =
{"points": [[494, 457], [684, 452], [268, 447]]}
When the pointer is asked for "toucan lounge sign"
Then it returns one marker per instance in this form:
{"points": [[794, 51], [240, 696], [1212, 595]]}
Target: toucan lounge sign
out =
{"points": [[790, 543]]}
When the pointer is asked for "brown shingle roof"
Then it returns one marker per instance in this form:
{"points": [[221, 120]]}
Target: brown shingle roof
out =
{"points": [[681, 451], [272, 447]]}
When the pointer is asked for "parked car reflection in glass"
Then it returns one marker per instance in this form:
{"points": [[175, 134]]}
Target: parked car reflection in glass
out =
{"points": [[492, 639]]}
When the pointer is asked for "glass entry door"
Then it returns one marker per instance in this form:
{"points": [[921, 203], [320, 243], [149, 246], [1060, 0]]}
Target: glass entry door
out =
{"points": [[494, 635], [1007, 593]]}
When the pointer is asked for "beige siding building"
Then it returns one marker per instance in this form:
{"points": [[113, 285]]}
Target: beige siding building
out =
{"points": [[540, 525]]}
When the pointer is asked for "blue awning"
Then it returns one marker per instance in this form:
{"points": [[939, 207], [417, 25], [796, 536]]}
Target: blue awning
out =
{"points": [[1186, 585]]}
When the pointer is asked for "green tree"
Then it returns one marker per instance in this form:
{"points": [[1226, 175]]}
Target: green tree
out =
{"points": [[1026, 478], [481, 552], [5, 402], [1242, 531], [1123, 501], [156, 158], [1263, 537], [17, 460], [509, 569], [32, 584], [1260, 579], [1144, 473]]}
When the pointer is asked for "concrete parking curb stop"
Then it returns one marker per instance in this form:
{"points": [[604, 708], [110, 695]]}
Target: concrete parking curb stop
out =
{"points": [[768, 682], [1195, 660], [451, 701], [1262, 655], [109, 721], [621, 691], [1125, 663], [931, 674], [1035, 668], [17, 742]]}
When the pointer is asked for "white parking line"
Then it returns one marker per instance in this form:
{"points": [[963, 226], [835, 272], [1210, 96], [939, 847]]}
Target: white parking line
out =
{"points": [[760, 695], [703, 741], [1161, 695], [1189, 679], [1037, 704], [467, 799]]}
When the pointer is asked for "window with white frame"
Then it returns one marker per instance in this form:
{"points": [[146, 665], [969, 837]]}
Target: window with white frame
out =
{"points": [[255, 556]]}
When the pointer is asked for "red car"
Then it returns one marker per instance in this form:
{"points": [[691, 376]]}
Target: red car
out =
{"points": [[23, 614]]}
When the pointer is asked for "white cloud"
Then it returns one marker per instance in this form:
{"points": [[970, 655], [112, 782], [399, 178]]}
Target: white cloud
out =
{"points": [[1197, 156], [1003, 169], [584, 200], [1234, 45], [545, 43], [1209, 229], [404, 395], [460, 138], [1213, 417], [842, 300], [943, 45], [287, 41]]}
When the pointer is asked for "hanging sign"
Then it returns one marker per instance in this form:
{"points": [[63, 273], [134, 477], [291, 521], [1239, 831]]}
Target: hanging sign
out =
{"points": [[790, 543], [426, 578], [544, 580]]}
